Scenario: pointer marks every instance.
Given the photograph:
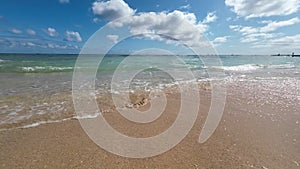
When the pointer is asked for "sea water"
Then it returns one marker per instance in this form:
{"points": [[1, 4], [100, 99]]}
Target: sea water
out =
{"points": [[36, 88]]}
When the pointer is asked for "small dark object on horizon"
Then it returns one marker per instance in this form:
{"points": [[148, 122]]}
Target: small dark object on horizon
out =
{"points": [[292, 55]]}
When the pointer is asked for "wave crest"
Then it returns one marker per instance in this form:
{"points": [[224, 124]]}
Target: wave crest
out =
{"points": [[45, 69]]}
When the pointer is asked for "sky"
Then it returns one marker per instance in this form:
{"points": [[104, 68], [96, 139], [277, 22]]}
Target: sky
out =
{"points": [[230, 26]]}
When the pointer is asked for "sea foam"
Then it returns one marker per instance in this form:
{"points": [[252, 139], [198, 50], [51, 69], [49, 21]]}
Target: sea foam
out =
{"points": [[44, 68], [246, 67]]}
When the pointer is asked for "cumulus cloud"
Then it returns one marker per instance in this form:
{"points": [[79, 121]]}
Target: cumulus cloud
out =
{"points": [[113, 38], [263, 8], [72, 36], [16, 31], [51, 32], [210, 17], [64, 1], [31, 32], [172, 27], [112, 9]]}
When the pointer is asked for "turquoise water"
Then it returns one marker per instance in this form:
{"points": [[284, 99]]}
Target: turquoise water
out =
{"points": [[251, 65], [51, 70], [25, 63], [48, 63], [36, 88]]}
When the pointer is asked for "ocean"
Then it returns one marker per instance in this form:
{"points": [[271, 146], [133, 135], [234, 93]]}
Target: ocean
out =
{"points": [[36, 88]]}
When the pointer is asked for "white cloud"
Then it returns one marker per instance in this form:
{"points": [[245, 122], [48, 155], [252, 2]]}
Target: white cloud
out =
{"points": [[249, 39], [244, 30], [187, 7], [170, 27], [248, 30], [252, 34], [31, 32], [51, 32], [221, 39], [265, 21], [16, 31], [39, 44], [285, 44], [72, 36], [113, 38], [64, 1], [30, 44], [51, 45], [272, 26], [257, 36], [263, 8], [264, 39], [287, 40], [112, 9], [235, 27], [210, 17]]}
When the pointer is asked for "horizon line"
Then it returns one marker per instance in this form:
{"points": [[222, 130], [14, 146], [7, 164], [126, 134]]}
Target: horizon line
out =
{"points": [[27, 53]]}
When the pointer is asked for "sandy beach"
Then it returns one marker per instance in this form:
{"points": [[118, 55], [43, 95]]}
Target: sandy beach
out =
{"points": [[105, 84], [249, 136]]}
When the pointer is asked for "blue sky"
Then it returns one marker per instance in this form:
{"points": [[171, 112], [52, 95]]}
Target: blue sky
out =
{"points": [[232, 26]]}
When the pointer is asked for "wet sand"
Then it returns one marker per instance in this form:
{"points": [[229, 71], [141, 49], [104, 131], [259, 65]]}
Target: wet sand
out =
{"points": [[247, 137]]}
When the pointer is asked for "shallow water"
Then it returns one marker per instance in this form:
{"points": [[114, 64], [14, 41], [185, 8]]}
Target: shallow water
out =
{"points": [[36, 89]]}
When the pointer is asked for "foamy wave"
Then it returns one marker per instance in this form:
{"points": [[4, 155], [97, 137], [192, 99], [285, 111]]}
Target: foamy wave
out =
{"points": [[46, 68], [60, 68], [281, 66], [2, 61], [31, 69], [43, 122], [91, 116], [251, 67], [246, 67]]}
